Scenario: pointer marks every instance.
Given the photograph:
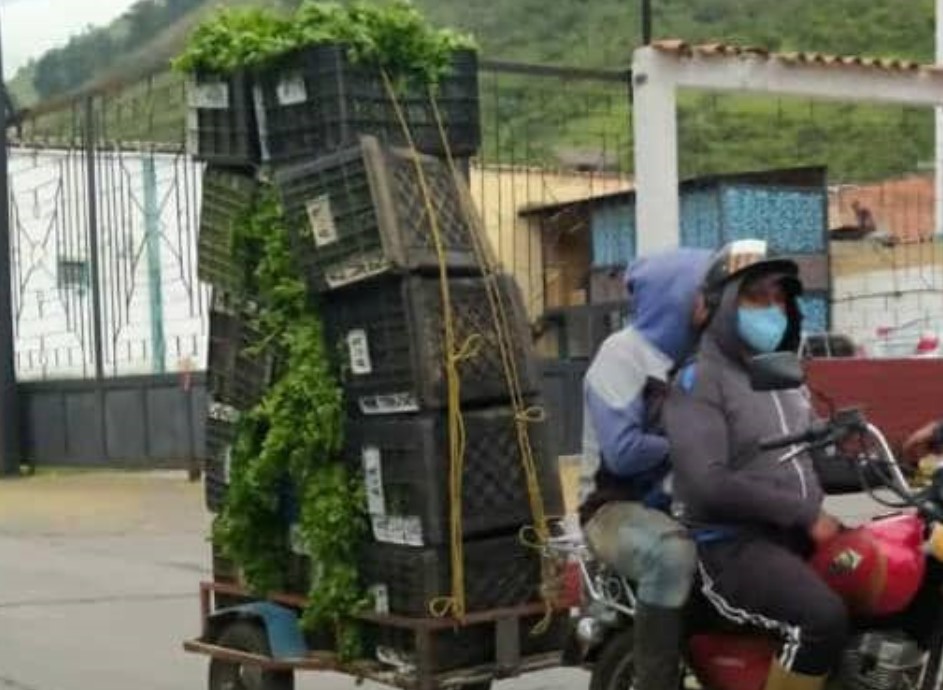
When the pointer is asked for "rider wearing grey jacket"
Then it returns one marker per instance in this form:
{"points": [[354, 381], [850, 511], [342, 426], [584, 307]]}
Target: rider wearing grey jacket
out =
{"points": [[754, 513]]}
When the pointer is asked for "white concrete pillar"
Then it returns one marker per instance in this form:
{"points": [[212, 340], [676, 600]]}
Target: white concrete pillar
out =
{"points": [[657, 208], [939, 124]]}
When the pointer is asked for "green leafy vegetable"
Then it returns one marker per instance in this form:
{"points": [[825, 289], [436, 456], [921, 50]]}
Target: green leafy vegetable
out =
{"points": [[292, 441], [394, 36], [237, 38]]}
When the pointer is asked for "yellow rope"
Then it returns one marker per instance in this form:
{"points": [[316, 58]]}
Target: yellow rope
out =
{"points": [[455, 604], [524, 416]]}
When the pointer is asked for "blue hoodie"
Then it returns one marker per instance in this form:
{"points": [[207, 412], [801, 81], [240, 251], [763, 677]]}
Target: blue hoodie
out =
{"points": [[619, 441]]}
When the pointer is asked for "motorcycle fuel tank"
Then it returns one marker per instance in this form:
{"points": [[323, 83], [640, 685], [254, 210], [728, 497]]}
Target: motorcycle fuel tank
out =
{"points": [[878, 568]]}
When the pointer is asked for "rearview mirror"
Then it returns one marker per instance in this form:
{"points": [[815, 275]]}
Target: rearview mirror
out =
{"points": [[776, 372]]}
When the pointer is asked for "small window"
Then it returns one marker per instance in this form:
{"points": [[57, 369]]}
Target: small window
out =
{"points": [[72, 274]]}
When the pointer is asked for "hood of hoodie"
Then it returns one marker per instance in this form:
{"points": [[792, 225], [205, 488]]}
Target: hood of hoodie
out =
{"points": [[723, 328], [663, 289]]}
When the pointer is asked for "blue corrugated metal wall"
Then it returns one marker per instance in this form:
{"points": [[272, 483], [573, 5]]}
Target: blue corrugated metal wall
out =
{"points": [[701, 219], [613, 231], [790, 220], [815, 308]]}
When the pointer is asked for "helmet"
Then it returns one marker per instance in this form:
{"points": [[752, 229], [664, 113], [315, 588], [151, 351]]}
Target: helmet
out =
{"points": [[741, 258]]}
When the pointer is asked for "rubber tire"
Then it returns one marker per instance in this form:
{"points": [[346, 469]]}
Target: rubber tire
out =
{"points": [[615, 666], [246, 636]]}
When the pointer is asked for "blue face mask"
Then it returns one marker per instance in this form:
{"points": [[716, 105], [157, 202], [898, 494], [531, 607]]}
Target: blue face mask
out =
{"points": [[762, 329]]}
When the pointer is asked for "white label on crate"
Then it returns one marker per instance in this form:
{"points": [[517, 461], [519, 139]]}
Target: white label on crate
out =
{"points": [[383, 529], [261, 118], [381, 599], [291, 90], [227, 464], [397, 529], [224, 413], [394, 403], [296, 540], [321, 220], [373, 478], [193, 131], [209, 95], [358, 346], [352, 271], [412, 531]]}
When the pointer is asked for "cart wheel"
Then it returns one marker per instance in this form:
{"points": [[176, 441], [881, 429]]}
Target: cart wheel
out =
{"points": [[246, 636]]}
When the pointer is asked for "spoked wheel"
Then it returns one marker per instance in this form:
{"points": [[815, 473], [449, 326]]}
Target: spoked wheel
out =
{"points": [[245, 636], [615, 667]]}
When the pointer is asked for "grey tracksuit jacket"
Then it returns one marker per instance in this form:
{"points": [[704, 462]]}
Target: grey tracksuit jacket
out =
{"points": [[715, 422]]}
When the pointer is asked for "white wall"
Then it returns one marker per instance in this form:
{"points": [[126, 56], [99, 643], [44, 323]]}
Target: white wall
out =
{"points": [[898, 295]]}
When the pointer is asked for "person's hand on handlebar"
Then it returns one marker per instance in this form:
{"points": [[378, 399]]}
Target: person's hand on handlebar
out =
{"points": [[825, 528], [922, 442]]}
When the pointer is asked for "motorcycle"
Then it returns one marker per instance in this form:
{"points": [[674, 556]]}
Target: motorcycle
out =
{"points": [[889, 572]]}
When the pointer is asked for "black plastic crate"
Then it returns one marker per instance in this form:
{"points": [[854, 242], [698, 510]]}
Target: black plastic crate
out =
{"points": [[221, 423], [406, 463], [316, 101], [361, 212], [224, 569], [227, 197], [499, 572], [235, 376], [461, 648], [216, 481], [298, 574], [391, 331], [221, 124]]}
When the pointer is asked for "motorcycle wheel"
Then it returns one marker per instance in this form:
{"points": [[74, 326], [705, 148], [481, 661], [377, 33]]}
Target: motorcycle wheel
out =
{"points": [[615, 667]]}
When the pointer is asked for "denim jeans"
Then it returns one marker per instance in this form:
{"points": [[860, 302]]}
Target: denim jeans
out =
{"points": [[647, 547]]}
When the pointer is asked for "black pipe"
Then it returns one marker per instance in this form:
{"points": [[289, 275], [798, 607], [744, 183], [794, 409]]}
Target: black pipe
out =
{"points": [[646, 22], [93, 236], [10, 451]]}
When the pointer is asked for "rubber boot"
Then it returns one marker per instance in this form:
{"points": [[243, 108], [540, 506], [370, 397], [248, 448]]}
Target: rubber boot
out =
{"points": [[657, 648], [781, 679]]}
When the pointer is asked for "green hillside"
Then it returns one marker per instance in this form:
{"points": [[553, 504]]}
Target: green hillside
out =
{"points": [[718, 134]]}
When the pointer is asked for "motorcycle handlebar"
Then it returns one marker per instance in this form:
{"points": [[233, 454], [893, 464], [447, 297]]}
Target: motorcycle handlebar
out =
{"points": [[814, 434]]}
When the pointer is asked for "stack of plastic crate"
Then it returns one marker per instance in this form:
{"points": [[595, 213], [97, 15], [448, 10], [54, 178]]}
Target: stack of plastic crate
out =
{"points": [[377, 217]]}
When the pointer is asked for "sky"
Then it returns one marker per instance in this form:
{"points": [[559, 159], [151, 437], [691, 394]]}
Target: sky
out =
{"points": [[31, 27]]}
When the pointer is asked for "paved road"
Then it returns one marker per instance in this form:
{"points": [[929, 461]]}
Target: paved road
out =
{"points": [[97, 586]]}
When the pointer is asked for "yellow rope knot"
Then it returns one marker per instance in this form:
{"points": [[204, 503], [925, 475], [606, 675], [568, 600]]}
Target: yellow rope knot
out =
{"points": [[445, 606], [535, 414], [470, 349]]}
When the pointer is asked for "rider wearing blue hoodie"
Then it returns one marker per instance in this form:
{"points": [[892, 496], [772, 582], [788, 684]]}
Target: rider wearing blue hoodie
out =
{"points": [[626, 459]]}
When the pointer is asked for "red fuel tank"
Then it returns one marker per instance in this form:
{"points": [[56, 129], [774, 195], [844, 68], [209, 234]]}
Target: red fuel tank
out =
{"points": [[878, 568]]}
